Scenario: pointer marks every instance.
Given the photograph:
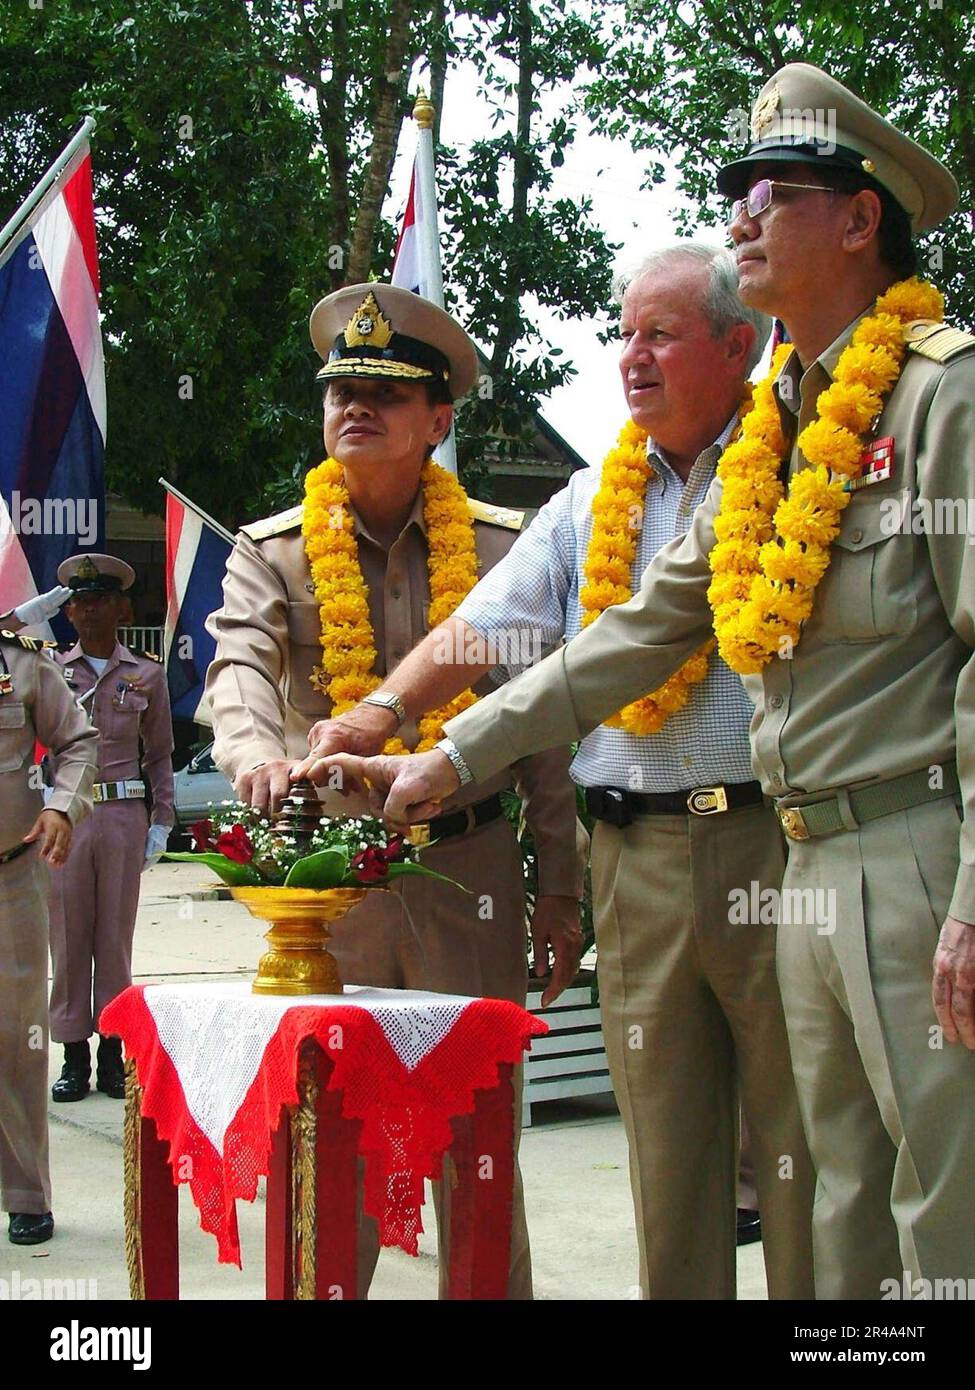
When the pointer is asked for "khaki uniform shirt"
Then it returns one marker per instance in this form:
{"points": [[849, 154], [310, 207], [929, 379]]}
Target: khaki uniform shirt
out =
{"points": [[41, 707], [268, 642], [129, 706], [882, 681]]}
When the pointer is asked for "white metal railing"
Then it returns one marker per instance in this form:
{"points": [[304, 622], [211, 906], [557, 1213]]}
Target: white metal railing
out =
{"points": [[145, 639]]}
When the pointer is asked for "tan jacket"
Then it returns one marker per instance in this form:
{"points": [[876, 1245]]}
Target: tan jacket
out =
{"points": [[882, 681], [40, 707], [267, 635], [127, 718]]}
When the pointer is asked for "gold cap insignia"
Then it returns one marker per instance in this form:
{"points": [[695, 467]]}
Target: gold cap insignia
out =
{"points": [[368, 326], [868, 166], [86, 570], [764, 114]]}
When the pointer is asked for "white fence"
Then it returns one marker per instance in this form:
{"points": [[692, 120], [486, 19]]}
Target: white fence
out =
{"points": [[144, 639]]}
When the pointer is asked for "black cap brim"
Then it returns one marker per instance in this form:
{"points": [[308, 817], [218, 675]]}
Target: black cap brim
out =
{"points": [[733, 178]]}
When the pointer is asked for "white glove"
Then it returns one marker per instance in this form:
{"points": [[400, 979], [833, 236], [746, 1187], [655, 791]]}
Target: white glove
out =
{"points": [[44, 606], [155, 845]]}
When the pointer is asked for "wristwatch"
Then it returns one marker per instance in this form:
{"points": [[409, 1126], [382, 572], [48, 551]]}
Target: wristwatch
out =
{"points": [[449, 747], [385, 699]]}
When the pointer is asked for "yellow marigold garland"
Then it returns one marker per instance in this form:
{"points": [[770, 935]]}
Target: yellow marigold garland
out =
{"points": [[617, 511], [772, 550], [346, 673]]}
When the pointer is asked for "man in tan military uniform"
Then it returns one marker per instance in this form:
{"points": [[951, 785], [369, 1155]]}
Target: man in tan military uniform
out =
{"points": [[386, 405], [35, 704], [95, 901], [863, 731], [691, 1012]]}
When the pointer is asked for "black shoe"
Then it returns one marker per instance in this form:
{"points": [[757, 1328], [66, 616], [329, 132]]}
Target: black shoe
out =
{"points": [[27, 1228], [110, 1077], [72, 1084], [749, 1226]]}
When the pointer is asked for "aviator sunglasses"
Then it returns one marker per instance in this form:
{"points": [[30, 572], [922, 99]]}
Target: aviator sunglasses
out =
{"points": [[759, 196]]}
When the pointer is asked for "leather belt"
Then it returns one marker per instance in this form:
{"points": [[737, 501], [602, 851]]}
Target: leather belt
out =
{"points": [[618, 806], [9, 854], [118, 791], [457, 822], [846, 809]]}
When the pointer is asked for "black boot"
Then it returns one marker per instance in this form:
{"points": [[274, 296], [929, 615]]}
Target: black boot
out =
{"points": [[111, 1070], [30, 1229], [72, 1084]]}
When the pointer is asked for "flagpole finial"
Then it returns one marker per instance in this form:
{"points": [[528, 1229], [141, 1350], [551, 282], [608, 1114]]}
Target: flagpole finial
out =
{"points": [[424, 111]]}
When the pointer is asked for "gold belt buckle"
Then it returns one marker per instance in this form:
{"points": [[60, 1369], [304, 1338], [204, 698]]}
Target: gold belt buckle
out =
{"points": [[96, 792], [707, 801], [419, 834], [793, 823]]}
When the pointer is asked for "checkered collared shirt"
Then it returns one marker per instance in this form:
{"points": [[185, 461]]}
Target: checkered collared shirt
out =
{"points": [[535, 589]]}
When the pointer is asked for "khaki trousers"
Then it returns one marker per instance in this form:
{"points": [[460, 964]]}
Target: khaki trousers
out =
{"points": [[889, 1108], [25, 1178], [427, 935], [691, 1017], [94, 902]]}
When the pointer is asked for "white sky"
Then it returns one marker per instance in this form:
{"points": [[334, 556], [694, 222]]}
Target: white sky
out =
{"points": [[590, 411]]}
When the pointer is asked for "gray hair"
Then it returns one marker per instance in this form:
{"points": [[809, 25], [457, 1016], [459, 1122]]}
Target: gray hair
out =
{"points": [[721, 307]]}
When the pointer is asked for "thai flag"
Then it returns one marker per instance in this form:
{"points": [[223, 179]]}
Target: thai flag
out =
{"points": [[196, 559], [52, 389], [407, 270]]}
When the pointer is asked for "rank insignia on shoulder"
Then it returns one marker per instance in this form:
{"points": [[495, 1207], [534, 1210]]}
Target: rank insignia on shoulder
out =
{"points": [[938, 341], [876, 462], [274, 525], [29, 644], [497, 516]]}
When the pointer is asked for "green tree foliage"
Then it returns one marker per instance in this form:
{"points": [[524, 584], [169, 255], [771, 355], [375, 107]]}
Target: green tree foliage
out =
{"points": [[679, 78], [241, 158], [512, 245]]}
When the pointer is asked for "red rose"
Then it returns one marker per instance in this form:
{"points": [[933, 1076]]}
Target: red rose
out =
{"points": [[370, 865], [202, 832], [395, 849], [235, 844]]}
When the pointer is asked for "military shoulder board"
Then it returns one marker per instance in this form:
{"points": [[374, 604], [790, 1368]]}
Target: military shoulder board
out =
{"points": [[937, 341], [29, 644], [496, 516], [274, 525]]}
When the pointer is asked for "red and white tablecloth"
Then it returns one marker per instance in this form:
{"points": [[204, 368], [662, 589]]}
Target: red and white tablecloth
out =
{"points": [[216, 1063]]}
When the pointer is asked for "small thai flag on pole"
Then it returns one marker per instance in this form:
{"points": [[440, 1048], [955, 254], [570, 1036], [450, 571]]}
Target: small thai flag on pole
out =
{"points": [[52, 380], [406, 259], [197, 548], [416, 263]]}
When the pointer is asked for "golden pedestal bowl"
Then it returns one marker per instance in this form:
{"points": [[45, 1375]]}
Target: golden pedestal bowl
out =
{"points": [[298, 961]]}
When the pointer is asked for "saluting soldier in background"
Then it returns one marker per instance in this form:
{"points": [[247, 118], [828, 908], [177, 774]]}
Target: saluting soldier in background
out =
{"points": [[94, 903], [864, 727], [35, 704], [35, 610], [389, 527]]}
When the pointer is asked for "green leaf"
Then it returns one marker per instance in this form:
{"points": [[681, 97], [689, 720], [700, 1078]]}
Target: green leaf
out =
{"points": [[326, 869], [399, 870], [237, 875]]}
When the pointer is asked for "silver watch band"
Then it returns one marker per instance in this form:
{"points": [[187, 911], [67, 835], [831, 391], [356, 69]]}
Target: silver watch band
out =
{"points": [[448, 746], [386, 699]]}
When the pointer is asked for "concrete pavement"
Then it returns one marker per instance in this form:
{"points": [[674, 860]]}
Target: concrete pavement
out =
{"points": [[573, 1158]]}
